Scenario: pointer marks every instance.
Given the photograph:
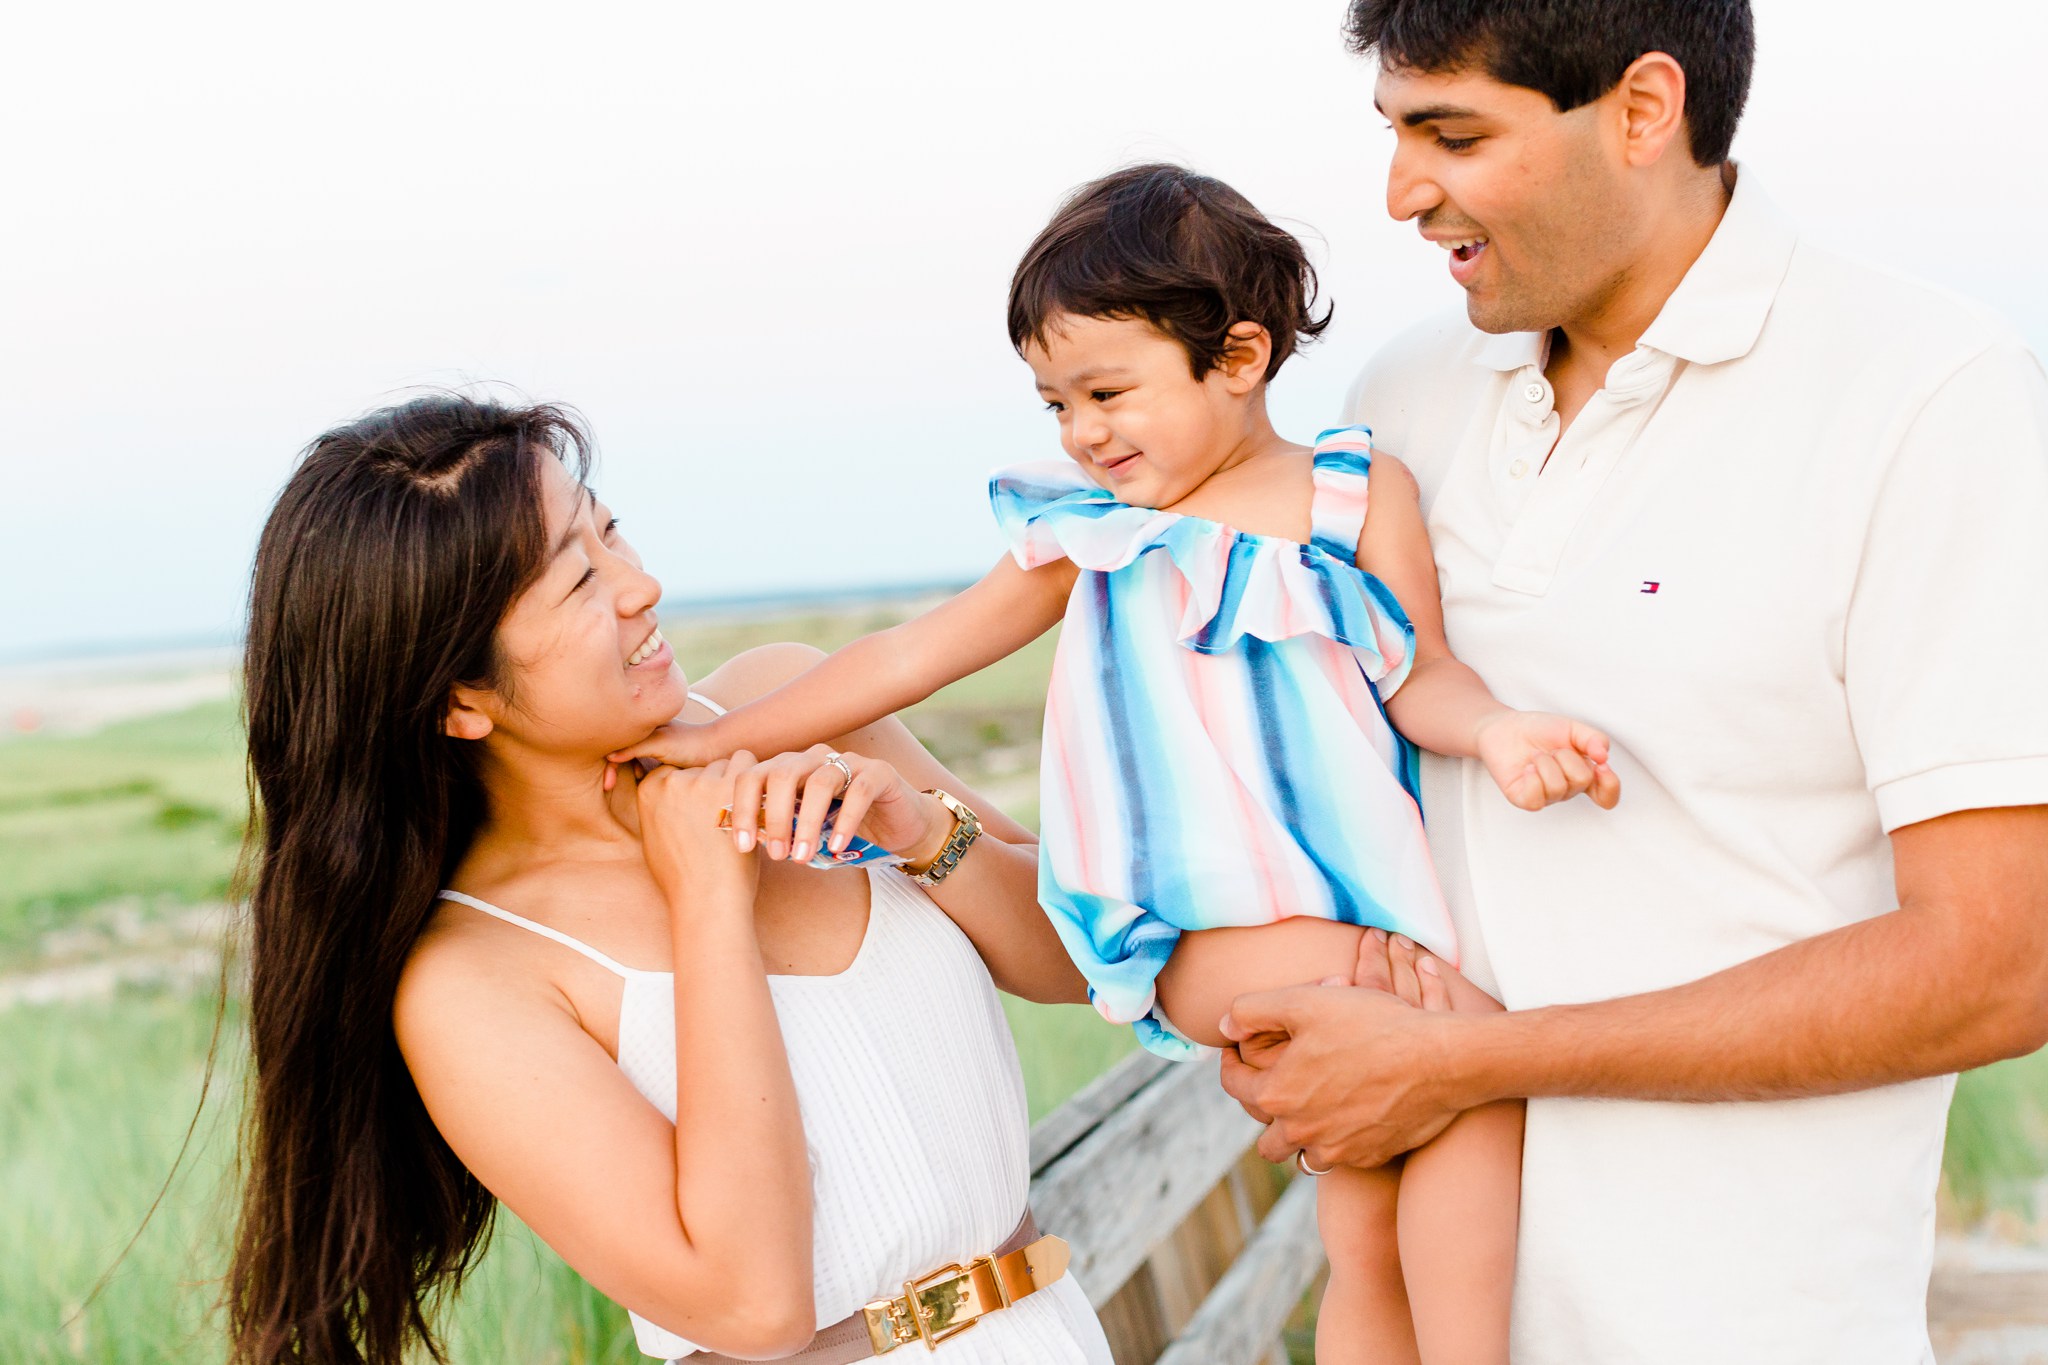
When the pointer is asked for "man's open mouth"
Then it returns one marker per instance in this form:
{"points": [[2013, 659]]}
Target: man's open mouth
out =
{"points": [[1466, 255]]}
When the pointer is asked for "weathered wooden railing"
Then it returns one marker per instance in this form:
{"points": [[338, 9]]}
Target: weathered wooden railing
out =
{"points": [[1194, 1250]]}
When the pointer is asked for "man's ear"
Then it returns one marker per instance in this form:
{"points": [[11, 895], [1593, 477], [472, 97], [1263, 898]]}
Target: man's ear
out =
{"points": [[1247, 351], [466, 718], [1651, 100]]}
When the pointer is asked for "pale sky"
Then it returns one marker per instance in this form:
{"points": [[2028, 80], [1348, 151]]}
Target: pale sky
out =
{"points": [[764, 248]]}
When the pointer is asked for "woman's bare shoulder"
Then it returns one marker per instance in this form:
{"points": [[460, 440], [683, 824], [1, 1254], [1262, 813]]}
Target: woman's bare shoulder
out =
{"points": [[460, 978], [756, 672]]}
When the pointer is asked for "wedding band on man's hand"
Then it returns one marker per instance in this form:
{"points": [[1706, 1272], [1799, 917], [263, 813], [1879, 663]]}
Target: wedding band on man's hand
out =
{"points": [[838, 760], [1301, 1164]]}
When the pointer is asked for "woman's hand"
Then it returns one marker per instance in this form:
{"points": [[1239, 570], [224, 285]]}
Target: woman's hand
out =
{"points": [[680, 833], [794, 792]]}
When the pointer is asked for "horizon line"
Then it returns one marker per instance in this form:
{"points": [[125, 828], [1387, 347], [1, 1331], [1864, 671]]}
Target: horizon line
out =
{"points": [[716, 605]]}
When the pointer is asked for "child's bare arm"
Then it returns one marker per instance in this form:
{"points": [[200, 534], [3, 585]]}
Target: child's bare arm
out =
{"points": [[1444, 706], [881, 673]]}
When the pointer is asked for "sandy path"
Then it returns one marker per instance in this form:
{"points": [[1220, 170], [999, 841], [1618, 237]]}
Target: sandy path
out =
{"points": [[78, 696]]}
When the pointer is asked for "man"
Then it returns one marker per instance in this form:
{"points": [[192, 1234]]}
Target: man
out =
{"points": [[1779, 524]]}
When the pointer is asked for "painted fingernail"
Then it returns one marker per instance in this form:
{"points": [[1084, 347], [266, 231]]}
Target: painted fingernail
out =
{"points": [[839, 843], [775, 849], [800, 850], [745, 839]]}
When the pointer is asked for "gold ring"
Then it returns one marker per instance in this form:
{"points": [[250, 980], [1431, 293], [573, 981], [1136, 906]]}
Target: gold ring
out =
{"points": [[1301, 1164], [836, 760]]}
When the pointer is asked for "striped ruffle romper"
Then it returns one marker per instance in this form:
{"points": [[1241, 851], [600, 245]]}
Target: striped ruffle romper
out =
{"points": [[1216, 748]]}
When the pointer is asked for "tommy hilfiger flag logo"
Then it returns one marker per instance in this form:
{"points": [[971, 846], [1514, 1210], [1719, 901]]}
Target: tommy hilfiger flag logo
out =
{"points": [[1650, 587]]}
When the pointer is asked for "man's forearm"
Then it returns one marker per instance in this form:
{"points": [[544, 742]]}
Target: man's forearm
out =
{"points": [[1912, 993], [1954, 978]]}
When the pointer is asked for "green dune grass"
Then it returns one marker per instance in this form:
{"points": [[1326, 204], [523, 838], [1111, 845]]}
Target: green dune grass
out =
{"points": [[95, 1101], [147, 813]]}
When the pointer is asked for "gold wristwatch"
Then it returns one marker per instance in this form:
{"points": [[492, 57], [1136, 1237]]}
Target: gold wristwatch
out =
{"points": [[966, 829]]}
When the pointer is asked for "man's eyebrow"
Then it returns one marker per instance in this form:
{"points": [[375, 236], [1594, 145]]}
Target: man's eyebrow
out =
{"points": [[1435, 113], [569, 531]]}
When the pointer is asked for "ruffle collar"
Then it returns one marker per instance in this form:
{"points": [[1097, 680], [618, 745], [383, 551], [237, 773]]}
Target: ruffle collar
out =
{"points": [[1238, 585]]}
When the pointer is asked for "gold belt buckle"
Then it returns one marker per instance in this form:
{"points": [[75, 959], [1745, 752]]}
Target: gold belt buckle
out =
{"points": [[932, 1308], [889, 1325]]}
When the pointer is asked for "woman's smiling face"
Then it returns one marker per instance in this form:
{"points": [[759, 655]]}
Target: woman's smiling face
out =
{"points": [[587, 671]]}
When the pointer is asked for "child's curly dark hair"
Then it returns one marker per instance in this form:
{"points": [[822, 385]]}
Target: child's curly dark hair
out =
{"points": [[1186, 253]]}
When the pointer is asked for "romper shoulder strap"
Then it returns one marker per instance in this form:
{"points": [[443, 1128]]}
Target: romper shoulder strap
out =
{"points": [[556, 934], [1343, 459], [713, 707]]}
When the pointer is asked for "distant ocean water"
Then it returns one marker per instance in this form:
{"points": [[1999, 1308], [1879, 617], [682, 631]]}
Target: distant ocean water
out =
{"points": [[180, 652]]}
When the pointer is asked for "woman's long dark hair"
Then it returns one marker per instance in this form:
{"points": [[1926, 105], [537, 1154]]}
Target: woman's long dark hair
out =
{"points": [[389, 561]]}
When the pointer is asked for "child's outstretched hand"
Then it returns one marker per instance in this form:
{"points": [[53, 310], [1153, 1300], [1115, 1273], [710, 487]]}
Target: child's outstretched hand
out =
{"points": [[1538, 759], [677, 744]]}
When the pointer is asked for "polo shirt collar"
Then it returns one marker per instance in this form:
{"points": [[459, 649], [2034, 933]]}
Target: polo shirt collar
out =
{"points": [[1513, 350], [1718, 310]]}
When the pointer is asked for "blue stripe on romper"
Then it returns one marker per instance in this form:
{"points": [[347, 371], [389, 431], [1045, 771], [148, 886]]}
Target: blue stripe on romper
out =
{"points": [[1292, 765], [1146, 940]]}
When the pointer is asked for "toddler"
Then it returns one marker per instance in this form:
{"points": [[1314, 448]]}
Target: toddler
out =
{"points": [[1253, 643]]}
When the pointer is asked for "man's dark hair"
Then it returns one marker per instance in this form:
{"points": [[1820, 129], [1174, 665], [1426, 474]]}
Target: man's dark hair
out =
{"points": [[1186, 253], [1575, 51]]}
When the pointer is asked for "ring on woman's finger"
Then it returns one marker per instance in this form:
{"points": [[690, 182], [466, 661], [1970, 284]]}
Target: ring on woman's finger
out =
{"points": [[1301, 1164], [838, 760]]}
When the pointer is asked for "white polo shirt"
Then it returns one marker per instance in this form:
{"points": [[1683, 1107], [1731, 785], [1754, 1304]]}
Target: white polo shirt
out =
{"points": [[1794, 559]]}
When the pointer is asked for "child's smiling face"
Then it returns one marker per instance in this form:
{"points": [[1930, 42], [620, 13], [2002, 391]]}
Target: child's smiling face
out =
{"points": [[1131, 412]]}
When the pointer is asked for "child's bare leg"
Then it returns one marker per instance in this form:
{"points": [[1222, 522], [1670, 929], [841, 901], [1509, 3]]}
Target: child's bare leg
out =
{"points": [[1460, 1202], [1364, 1317], [1210, 968]]}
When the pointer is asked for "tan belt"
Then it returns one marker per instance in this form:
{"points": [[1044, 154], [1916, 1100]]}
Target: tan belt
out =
{"points": [[933, 1307]]}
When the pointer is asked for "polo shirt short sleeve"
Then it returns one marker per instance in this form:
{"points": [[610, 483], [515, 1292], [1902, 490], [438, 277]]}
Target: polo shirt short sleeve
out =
{"points": [[1794, 559], [1942, 655]]}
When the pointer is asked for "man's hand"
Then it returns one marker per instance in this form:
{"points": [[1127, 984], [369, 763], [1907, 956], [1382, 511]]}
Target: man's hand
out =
{"points": [[1350, 1076], [1395, 964]]}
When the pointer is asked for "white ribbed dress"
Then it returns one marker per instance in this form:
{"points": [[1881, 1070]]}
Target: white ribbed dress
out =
{"points": [[913, 1111]]}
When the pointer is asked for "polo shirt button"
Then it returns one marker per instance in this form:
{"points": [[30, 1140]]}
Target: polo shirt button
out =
{"points": [[1518, 469], [1534, 393]]}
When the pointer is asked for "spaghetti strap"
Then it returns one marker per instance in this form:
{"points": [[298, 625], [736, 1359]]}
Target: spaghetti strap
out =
{"points": [[556, 934], [713, 707]]}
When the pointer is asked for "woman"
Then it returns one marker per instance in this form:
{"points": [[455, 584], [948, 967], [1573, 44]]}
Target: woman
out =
{"points": [[796, 1094]]}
